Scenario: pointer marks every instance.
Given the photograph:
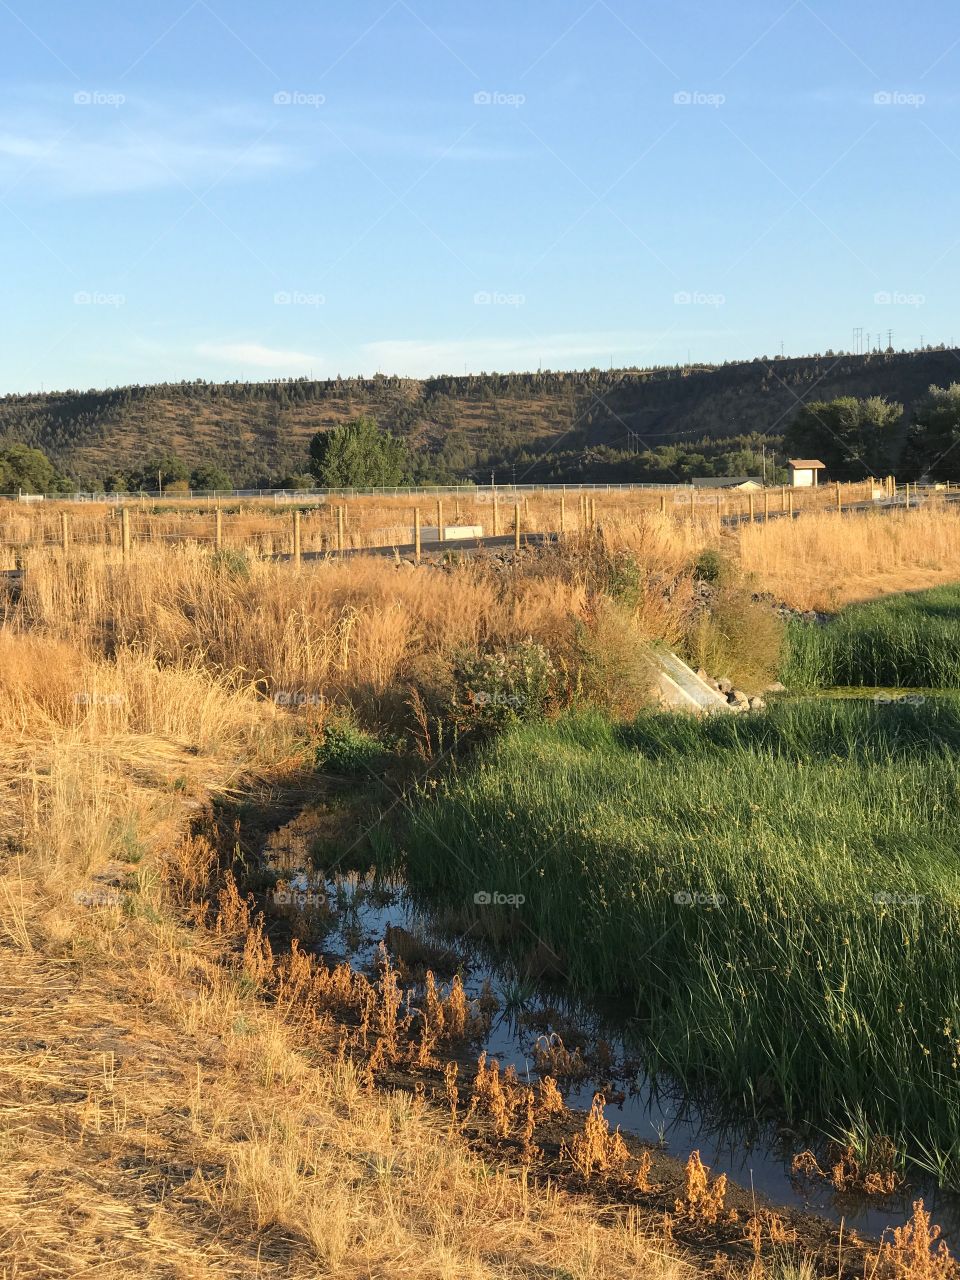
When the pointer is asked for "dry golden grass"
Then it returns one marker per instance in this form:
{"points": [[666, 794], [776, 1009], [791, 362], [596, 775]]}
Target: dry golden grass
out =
{"points": [[367, 632], [356, 631], [189, 1138], [825, 561], [915, 1252], [266, 528], [157, 1119]]}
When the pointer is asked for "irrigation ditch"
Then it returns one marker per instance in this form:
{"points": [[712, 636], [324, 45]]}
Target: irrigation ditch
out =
{"points": [[322, 875]]}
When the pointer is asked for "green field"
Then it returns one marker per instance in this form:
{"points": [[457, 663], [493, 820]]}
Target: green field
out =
{"points": [[778, 895], [909, 641]]}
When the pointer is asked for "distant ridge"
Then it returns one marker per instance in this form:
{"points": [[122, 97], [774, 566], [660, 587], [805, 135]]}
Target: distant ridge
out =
{"points": [[545, 424]]}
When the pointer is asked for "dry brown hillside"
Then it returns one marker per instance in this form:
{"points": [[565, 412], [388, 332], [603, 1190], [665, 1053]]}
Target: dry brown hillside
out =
{"points": [[457, 425]]}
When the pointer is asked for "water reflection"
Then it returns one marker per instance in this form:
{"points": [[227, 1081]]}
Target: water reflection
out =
{"points": [[363, 912]]}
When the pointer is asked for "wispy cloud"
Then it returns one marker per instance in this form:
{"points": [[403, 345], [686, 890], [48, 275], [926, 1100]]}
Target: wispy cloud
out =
{"points": [[63, 163], [257, 356], [81, 142]]}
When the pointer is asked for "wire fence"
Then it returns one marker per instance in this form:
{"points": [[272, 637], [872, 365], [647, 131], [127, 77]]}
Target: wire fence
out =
{"points": [[401, 519], [321, 495], [175, 495]]}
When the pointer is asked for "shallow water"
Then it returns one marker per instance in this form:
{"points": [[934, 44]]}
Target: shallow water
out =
{"points": [[363, 912], [885, 694]]}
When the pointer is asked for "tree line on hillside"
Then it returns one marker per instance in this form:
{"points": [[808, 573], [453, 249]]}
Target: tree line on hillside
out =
{"points": [[853, 436], [306, 388], [456, 425], [361, 455], [873, 436]]}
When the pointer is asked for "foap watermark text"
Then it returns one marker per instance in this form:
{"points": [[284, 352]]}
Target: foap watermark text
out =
{"points": [[493, 898]]}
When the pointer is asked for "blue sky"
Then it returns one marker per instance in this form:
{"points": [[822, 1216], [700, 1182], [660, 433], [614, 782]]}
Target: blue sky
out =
{"points": [[229, 189]]}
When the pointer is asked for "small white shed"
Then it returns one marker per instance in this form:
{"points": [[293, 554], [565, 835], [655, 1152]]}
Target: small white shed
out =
{"points": [[804, 472], [727, 482]]}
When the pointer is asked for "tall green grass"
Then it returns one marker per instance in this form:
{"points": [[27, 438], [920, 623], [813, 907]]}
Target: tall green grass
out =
{"points": [[825, 980], [910, 641]]}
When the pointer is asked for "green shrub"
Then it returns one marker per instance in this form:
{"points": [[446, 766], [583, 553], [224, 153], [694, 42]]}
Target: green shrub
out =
{"points": [[613, 668], [737, 637], [346, 749], [494, 689], [711, 566], [624, 578], [230, 562]]}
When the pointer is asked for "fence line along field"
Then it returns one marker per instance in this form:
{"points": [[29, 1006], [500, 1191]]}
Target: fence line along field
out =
{"points": [[265, 527]]}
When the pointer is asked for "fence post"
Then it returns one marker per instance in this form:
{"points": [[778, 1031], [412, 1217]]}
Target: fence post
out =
{"points": [[751, 507], [440, 537], [790, 501], [783, 497], [663, 504], [296, 539], [340, 524], [65, 530], [496, 517], [516, 526], [416, 535], [766, 506], [839, 504], [693, 494], [218, 529], [719, 507], [906, 495], [563, 515], [125, 533]]}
